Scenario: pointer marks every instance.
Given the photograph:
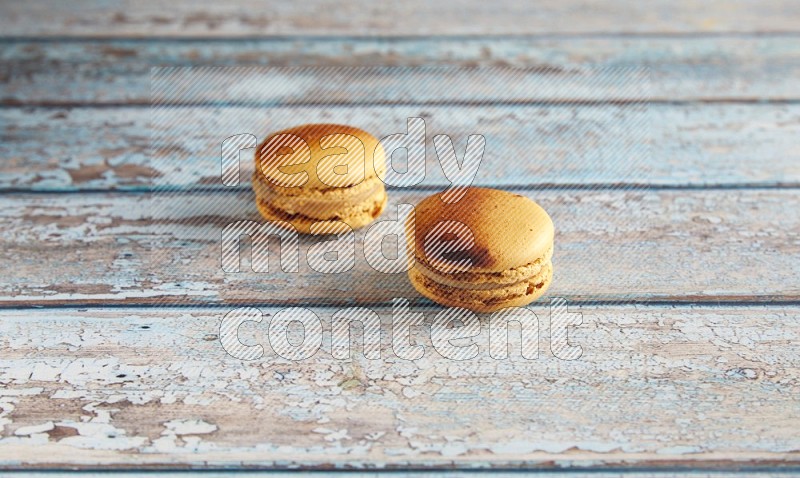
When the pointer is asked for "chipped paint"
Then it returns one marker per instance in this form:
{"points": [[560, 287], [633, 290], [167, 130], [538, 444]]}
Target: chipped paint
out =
{"points": [[603, 238], [651, 389]]}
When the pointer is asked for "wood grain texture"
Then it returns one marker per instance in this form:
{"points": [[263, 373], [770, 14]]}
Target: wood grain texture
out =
{"points": [[323, 17], [660, 145], [667, 245], [681, 69], [655, 387], [702, 374]]}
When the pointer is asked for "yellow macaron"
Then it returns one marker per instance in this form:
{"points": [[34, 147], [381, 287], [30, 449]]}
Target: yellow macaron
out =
{"points": [[320, 172], [489, 250]]}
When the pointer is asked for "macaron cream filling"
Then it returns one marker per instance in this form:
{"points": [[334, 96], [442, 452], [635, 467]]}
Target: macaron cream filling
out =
{"points": [[323, 205], [484, 297], [372, 206], [485, 280]]}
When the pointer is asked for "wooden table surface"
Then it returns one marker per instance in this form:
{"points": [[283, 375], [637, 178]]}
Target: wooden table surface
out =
{"points": [[682, 251]]}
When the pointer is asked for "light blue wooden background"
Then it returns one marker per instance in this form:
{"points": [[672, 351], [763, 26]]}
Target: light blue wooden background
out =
{"points": [[684, 261]]}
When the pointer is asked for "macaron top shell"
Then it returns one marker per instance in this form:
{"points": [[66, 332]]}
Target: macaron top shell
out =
{"points": [[319, 156], [509, 230]]}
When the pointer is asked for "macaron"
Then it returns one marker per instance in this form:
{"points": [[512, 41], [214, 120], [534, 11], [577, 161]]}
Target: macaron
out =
{"points": [[487, 251], [318, 173]]}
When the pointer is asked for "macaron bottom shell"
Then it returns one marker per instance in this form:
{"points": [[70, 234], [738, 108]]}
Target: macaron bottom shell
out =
{"points": [[484, 300]]}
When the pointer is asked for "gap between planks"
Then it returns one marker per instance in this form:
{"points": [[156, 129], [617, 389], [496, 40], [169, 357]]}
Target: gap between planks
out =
{"points": [[417, 303], [554, 102], [149, 190], [489, 37]]}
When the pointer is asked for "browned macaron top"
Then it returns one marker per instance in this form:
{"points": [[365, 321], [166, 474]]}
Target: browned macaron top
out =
{"points": [[319, 156], [508, 230]]}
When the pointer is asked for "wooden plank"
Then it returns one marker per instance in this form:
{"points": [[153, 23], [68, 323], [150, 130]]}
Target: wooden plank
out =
{"points": [[661, 145], [655, 387], [611, 245], [694, 68], [461, 17]]}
